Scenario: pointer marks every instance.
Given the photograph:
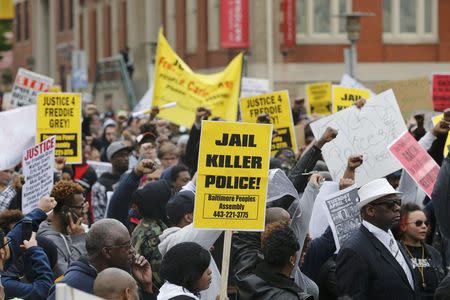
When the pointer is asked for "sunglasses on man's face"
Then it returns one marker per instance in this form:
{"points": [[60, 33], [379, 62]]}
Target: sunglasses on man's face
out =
{"points": [[390, 204], [419, 223]]}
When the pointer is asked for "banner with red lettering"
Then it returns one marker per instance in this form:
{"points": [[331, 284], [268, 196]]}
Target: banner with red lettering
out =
{"points": [[416, 161], [234, 24], [37, 163], [441, 91], [289, 23], [27, 85]]}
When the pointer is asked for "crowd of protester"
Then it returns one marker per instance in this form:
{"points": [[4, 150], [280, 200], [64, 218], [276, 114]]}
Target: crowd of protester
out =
{"points": [[128, 234]]}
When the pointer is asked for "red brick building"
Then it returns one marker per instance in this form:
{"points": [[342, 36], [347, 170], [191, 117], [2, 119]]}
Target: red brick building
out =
{"points": [[405, 38]]}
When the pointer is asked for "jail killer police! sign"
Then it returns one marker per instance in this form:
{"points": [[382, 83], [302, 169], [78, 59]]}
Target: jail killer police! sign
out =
{"points": [[59, 114], [233, 171]]}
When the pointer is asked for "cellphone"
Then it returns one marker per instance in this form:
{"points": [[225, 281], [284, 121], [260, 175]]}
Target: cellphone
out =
{"points": [[27, 230], [65, 213]]}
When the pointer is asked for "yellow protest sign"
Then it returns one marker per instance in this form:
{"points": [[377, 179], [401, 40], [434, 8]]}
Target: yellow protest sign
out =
{"points": [[175, 81], [277, 106], [59, 114], [233, 170], [55, 89], [319, 98], [344, 97], [436, 120], [6, 9]]}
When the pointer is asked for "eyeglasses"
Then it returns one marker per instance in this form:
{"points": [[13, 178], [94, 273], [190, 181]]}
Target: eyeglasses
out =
{"points": [[420, 223], [124, 245], [79, 206], [390, 203]]}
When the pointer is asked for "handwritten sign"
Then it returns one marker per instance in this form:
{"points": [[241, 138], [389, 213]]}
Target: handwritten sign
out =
{"points": [[367, 131], [412, 95], [441, 91], [37, 165], [351, 82], [318, 96], [233, 171], [277, 106], [342, 213], [27, 85], [59, 114], [344, 97], [416, 161]]}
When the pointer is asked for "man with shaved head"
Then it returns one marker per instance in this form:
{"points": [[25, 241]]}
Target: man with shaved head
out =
{"points": [[115, 284], [277, 214], [108, 245]]}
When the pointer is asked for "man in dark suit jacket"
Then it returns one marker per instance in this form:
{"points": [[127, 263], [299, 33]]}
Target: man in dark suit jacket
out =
{"points": [[371, 265]]}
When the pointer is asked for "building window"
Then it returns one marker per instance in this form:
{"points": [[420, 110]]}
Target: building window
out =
{"points": [[191, 26], [213, 25], [318, 21], [71, 12], [61, 16], [410, 21], [18, 20], [26, 20], [171, 23]]}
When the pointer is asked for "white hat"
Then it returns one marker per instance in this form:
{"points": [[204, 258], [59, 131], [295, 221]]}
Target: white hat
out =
{"points": [[374, 190]]}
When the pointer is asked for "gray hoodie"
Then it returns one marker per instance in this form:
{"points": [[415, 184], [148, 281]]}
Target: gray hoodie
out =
{"points": [[70, 247]]}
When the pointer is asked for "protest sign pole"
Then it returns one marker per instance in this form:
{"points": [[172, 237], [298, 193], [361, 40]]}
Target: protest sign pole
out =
{"points": [[225, 264]]}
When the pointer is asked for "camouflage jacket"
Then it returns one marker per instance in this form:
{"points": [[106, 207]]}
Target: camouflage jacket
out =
{"points": [[145, 240]]}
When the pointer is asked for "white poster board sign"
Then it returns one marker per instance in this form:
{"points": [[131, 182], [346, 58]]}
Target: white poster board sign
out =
{"points": [[100, 167], [368, 132], [343, 215], [254, 86], [17, 132], [351, 82], [37, 165], [27, 85]]}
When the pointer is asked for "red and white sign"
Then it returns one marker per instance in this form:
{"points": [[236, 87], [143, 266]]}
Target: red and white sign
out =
{"points": [[27, 85], [416, 161], [289, 23], [234, 24], [441, 91], [37, 163]]}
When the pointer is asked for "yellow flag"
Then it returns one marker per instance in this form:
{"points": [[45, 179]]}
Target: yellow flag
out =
{"points": [[344, 97], [6, 10], [176, 82]]}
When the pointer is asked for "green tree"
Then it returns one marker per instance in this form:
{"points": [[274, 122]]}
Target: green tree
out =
{"points": [[5, 44]]}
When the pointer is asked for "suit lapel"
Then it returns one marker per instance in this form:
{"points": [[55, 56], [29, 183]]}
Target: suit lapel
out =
{"points": [[386, 255]]}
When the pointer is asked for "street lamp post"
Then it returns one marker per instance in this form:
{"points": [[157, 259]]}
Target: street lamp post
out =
{"points": [[353, 28]]}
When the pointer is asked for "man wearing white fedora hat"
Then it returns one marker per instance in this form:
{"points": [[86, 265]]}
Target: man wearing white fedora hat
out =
{"points": [[371, 265]]}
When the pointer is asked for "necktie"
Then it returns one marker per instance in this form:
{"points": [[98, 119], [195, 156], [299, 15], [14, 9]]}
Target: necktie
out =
{"points": [[393, 247]]}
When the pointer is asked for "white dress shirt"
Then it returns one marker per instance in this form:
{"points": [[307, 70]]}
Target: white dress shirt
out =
{"points": [[388, 240]]}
